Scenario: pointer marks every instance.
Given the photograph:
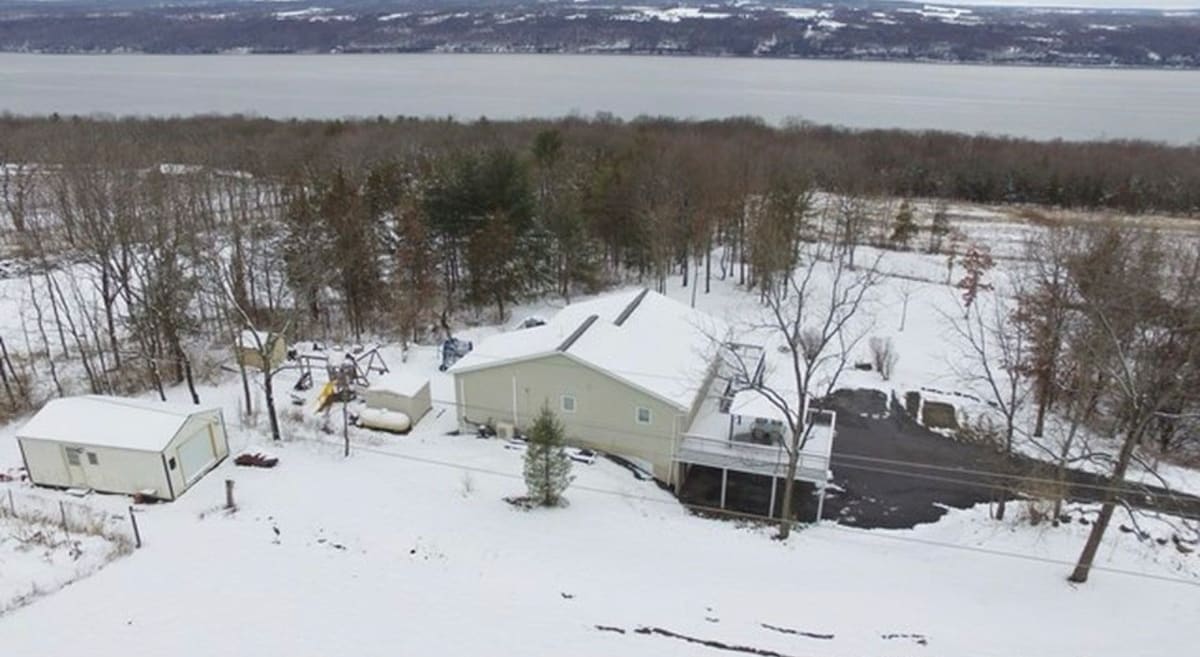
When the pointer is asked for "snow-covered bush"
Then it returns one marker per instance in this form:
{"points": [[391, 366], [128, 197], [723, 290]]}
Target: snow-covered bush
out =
{"points": [[884, 356]]}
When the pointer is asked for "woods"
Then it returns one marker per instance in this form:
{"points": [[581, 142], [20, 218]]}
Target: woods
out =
{"points": [[145, 248]]}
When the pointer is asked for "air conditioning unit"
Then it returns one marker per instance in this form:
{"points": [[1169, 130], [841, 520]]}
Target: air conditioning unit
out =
{"points": [[505, 430]]}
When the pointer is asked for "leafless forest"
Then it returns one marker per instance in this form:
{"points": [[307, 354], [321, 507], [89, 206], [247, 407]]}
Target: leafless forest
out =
{"points": [[137, 249]]}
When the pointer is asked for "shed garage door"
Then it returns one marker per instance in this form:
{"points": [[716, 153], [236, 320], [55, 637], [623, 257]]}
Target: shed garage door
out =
{"points": [[196, 454]]}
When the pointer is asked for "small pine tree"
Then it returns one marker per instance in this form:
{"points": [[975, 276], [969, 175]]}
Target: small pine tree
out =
{"points": [[904, 226], [547, 466]]}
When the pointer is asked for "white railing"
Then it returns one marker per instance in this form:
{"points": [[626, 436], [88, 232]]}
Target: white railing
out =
{"points": [[771, 460]]}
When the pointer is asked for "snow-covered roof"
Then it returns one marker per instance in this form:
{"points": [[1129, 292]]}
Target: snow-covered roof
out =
{"points": [[247, 339], [752, 403], [641, 337], [400, 382], [109, 422]]}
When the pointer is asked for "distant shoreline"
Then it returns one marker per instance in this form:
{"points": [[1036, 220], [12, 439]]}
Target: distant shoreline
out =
{"points": [[862, 31], [649, 55]]}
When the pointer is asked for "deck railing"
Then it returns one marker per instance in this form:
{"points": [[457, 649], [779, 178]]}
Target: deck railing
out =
{"points": [[770, 460]]}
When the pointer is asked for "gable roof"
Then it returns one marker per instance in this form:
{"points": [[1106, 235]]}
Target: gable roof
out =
{"points": [[400, 382], [109, 422], [640, 337]]}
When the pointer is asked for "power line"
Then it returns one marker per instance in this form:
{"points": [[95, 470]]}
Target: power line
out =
{"points": [[1013, 477], [951, 480], [834, 526], [1131, 489]]}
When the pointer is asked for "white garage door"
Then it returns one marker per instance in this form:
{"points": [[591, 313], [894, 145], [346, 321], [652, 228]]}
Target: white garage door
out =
{"points": [[195, 455]]}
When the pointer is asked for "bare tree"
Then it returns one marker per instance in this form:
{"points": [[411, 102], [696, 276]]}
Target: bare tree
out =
{"points": [[883, 356], [905, 289], [245, 330], [853, 217], [812, 318], [1144, 301], [1043, 309], [994, 352]]}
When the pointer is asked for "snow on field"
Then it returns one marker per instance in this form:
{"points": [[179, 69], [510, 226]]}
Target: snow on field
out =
{"points": [[38, 558], [409, 548]]}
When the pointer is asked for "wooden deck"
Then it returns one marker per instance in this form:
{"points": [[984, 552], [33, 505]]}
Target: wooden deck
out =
{"points": [[767, 460]]}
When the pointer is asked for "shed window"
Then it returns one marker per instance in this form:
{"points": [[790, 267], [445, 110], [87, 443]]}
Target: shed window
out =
{"points": [[73, 455], [92, 459], [643, 415], [171, 463], [568, 403]]}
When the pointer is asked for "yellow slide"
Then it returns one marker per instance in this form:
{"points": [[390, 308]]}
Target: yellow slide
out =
{"points": [[324, 398]]}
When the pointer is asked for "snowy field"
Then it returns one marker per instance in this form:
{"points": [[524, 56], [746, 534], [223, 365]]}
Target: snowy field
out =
{"points": [[39, 558], [39, 555], [408, 547]]}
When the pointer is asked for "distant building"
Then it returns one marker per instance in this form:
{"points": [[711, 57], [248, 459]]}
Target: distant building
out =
{"points": [[249, 353], [117, 445]]}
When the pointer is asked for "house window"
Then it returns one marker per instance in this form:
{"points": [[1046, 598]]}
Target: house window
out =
{"points": [[171, 463], [643, 415], [73, 455], [568, 403], [92, 459]]}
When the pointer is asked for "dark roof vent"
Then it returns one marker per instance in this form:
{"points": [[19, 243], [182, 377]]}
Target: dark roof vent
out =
{"points": [[631, 307], [575, 335]]}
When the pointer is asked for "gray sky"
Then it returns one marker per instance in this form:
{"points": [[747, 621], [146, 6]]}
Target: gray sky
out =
{"points": [[1108, 4]]}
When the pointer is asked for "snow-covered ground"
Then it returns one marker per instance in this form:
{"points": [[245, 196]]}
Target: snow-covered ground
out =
{"points": [[408, 547], [37, 557]]}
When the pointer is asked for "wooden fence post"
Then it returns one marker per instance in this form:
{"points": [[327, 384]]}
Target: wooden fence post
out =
{"points": [[229, 495], [137, 535], [12, 505], [62, 510]]}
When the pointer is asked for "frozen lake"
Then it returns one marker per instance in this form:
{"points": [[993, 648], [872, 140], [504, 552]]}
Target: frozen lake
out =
{"points": [[1024, 101]]}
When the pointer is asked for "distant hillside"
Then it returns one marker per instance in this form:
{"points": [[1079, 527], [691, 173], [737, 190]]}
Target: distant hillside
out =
{"points": [[753, 28]]}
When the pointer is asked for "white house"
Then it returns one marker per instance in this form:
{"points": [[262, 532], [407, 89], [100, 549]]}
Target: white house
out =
{"points": [[116, 445], [642, 376], [625, 373]]}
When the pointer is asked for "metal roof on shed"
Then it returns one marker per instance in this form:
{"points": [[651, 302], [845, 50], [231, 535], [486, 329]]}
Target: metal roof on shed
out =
{"points": [[110, 422]]}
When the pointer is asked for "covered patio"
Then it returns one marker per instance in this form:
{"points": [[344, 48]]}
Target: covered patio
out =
{"points": [[746, 433]]}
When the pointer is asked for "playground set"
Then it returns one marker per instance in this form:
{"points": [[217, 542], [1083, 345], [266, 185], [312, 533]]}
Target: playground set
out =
{"points": [[349, 371], [353, 369]]}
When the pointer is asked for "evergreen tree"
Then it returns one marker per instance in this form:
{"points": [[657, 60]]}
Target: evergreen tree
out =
{"points": [[547, 466], [904, 227]]}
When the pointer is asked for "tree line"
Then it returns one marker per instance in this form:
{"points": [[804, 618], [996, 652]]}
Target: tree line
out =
{"points": [[139, 247], [397, 226]]}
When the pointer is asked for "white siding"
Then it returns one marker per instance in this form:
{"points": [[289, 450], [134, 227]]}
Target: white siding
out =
{"points": [[605, 416], [119, 470], [116, 470], [208, 426]]}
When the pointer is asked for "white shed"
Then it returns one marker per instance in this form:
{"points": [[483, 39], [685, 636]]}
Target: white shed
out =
{"points": [[117, 445], [400, 391]]}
